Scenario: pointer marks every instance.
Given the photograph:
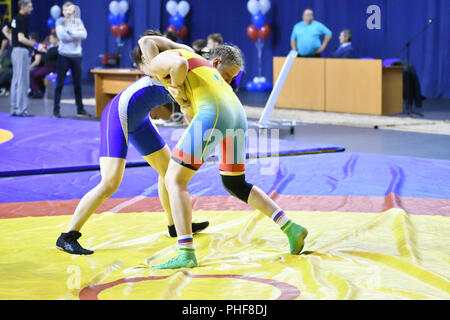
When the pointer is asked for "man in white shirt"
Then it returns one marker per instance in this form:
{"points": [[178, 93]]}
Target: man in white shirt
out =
{"points": [[70, 31]]}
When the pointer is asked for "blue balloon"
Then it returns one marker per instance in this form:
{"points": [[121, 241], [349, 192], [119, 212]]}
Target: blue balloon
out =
{"points": [[260, 87], [267, 86], [112, 19], [251, 86], [258, 20], [121, 18], [51, 23], [177, 21]]}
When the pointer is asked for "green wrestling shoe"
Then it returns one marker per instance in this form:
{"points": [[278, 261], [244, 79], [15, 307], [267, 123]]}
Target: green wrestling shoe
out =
{"points": [[296, 235], [184, 259]]}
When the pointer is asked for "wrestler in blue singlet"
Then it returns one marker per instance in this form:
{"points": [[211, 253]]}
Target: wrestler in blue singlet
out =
{"points": [[127, 118]]}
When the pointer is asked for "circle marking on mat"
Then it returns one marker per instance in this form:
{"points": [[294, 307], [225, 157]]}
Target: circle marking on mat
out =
{"points": [[288, 291]]}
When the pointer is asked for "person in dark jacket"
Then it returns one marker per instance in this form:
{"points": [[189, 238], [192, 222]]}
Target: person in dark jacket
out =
{"points": [[345, 50], [38, 74]]}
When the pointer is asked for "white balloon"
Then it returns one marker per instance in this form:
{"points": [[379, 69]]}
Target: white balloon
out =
{"points": [[172, 7], [265, 6], [253, 6], [55, 12], [123, 7], [183, 8], [114, 7]]}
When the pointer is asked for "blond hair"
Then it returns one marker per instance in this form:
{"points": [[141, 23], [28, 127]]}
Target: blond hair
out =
{"points": [[67, 3], [229, 55]]}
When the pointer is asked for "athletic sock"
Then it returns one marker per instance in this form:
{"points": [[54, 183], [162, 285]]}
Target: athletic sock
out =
{"points": [[185, 243], [280, 218]]}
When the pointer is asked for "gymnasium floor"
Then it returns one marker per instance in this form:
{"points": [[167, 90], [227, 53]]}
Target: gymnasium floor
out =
{"points": [[377, 215]]}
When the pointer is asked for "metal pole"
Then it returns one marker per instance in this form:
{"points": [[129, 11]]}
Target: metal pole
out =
{"points": [[277, 88]]}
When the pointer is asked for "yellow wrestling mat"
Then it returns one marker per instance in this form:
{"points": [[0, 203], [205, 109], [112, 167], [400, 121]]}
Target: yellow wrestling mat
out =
{"points": [[242, 255]]}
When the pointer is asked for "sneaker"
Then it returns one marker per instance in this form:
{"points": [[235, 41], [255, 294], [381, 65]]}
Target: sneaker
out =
{"points": [[2, 92], [67, 242], [25, 114], [7, 93], [83, 113], [184, 259], [57, 114], [14, 114], [196, 227], [296, 235]]}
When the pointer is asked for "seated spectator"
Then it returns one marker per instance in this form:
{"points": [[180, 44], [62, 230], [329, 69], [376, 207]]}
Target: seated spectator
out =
{"points": [[346, 49], [5, 72], [4, 41], [198, 46], [38, 74], [171, 35], [214, 40], [36, 56]]}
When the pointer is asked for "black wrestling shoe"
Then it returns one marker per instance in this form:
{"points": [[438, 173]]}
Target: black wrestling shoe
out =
{"points": [[196, 227], [68, 242]]}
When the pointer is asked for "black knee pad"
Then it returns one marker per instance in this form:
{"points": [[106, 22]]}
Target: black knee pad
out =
{"points": [[237, 186]]}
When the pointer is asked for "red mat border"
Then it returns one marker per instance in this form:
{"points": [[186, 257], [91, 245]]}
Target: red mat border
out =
{"points": [[421, 206]]}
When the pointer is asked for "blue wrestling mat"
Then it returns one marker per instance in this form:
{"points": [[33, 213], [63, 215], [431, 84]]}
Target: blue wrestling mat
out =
{"points": [[41, 145]]}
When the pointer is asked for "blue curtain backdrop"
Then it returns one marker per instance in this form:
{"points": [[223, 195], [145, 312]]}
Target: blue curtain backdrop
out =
{"points": [[401, 19]]}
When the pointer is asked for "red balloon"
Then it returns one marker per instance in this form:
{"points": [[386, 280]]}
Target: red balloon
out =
{"points": [[115, 30], [123, 30], [172, 28], [265, 32], [252, 32], [183, 32]]}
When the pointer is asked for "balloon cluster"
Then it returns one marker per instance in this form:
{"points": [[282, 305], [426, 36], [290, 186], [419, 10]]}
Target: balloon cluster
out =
{"points": [[259, 84], [118, 18], [55, 13], [178, 11], [259, 31], [259, 28]]}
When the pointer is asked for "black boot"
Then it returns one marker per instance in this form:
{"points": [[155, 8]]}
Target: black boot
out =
{"points": [[68, 242], [56, 113], [196, 227]]}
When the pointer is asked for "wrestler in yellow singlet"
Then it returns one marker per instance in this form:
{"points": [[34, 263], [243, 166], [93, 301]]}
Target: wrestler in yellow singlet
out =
{"points": [[218, 118]]}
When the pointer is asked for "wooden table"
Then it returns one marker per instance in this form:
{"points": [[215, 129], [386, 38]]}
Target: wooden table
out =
{"points": [[110, 82], [341, 85]]}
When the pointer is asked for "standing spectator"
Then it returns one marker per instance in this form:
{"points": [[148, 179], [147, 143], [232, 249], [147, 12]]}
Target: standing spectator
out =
{"points": [[305, 37], [345, 50], [21, 59], [49, 65], [70, 31]]}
